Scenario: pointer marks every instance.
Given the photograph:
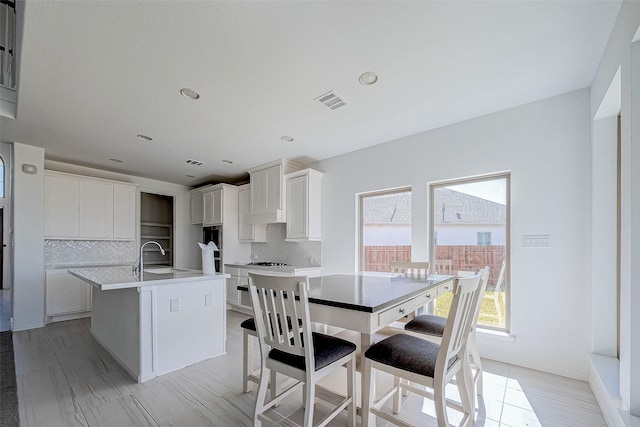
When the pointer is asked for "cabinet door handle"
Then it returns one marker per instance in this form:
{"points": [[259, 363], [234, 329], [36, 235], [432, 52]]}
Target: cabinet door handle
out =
{"points": [[401, 311]]}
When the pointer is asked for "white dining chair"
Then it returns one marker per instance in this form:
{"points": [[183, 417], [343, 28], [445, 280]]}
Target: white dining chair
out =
{"points": [[498, 293], [432, 327], [443, 266], [426, 363], [289, 346], [410, 268]]}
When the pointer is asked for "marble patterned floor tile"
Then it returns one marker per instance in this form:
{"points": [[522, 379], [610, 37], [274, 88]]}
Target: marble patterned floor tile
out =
{"points": [[125, 411], [79, 369], [227, 367], [165, 401], [198, 417], [69, 340], [35, 361], [42, 380], [56, 407], [98, 390], [203, 385], [231, 411], [27, 346]]}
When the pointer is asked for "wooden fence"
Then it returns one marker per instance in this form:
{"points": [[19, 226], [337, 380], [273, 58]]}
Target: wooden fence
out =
{"points": [[378, 258]]}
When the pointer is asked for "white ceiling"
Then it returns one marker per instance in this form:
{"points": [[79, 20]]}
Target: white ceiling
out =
{"points": [[94, 74]]}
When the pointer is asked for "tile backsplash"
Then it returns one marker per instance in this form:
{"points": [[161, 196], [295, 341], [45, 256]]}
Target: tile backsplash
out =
{"points": [[71, 253], [301, 254]]}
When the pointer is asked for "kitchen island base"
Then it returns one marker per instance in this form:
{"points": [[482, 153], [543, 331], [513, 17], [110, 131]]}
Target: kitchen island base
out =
{"points": [[153, 327]]}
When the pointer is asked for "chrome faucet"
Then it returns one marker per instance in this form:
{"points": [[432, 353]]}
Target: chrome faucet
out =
{"points": [[141, 265]]}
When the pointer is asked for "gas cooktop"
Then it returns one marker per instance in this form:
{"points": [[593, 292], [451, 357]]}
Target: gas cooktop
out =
{"points": [[268, 264]]}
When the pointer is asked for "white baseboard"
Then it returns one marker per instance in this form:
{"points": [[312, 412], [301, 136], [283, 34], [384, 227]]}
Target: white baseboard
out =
{"points": [[604, 379]]}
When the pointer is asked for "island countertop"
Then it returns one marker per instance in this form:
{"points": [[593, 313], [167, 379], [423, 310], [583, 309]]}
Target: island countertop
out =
{"points": [[109, 278]]}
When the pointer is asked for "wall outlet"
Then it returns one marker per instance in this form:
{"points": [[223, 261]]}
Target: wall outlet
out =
{"points": [[536, 241], [175, 305], [208, 300]]}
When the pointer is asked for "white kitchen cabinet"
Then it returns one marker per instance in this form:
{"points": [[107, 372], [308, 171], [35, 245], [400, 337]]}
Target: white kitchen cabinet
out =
{"points": [[268, 192], [240, 300], [95, 206], [248, 232], [197, 206], [67, 296], [124, 212], [304, 196], [61, 205], [79, 207], [212, 207]]}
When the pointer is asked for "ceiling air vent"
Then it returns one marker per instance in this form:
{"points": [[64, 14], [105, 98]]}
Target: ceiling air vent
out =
{"points": [[194, 162], [332, 100]]}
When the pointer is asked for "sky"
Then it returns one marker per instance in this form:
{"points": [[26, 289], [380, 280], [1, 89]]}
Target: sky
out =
{"points": [[494, 190]]}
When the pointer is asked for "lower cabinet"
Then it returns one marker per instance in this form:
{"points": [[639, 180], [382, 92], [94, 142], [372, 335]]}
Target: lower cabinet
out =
{"points": [[240, 277], [67, 297]]}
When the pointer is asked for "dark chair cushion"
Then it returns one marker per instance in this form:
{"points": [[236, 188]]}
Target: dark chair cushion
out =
{"points": [[427, 324], [327, 349], [250, 324], [408, 353]]}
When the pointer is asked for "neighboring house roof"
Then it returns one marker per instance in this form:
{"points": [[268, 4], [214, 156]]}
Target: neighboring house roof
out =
{"points": [[389, 208], [461, 208]]}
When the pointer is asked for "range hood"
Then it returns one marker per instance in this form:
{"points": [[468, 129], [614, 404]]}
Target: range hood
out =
{"points": [[268, 191]]}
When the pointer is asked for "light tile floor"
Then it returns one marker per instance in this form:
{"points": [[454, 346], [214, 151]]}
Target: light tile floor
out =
{"points": [[66, 379]]}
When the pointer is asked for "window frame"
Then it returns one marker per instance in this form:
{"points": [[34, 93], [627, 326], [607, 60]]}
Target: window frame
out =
{"points": [[432, 244], [484, 240], [361, 197]]}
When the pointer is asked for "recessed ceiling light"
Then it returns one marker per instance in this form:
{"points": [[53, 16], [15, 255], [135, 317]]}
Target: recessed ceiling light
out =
{"points": [[190, 176], [368, 78], [227, 162], [116, 160], [144, 137], [189, 93], [287, 138]]}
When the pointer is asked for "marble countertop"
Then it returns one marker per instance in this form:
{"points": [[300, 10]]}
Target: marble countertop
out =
{"points": [[283, 268], [367, 292], [109, 278]]}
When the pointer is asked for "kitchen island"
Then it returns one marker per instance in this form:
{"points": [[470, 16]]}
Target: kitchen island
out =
{"points": [[157, 321]]}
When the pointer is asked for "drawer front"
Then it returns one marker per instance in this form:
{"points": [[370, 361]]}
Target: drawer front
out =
{"points": [[397, 311], [443, 289], [426, 297]]}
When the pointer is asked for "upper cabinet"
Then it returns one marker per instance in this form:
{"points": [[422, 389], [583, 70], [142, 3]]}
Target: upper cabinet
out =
{"points": [[304, 195], [268, 191], [197, 206], [79, 207], [212, 210], [248, 232]]}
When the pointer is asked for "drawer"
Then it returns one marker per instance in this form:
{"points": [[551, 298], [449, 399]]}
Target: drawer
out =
{"points": [[397, 311], [426, 297], [447, 287]]}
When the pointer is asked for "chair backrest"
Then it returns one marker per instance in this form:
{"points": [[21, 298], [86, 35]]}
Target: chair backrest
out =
{"points": [[459, 322], [484, 278], [466, 273], [500, 281], [410, 268], [443, 266], [281, 312]]}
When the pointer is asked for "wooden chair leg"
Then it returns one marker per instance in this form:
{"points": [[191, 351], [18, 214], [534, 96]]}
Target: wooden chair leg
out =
{"points": [[397, 383], [440, 402], [247, 360], [310, 395], [351, 391], [261, 396], [368, 394]]}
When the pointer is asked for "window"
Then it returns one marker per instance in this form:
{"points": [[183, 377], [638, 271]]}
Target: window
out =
{"points": [[484, 238], [470, 219], [385, 229]]}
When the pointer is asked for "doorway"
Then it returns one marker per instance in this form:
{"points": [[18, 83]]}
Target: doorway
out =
{"points": [[6, 291]]}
